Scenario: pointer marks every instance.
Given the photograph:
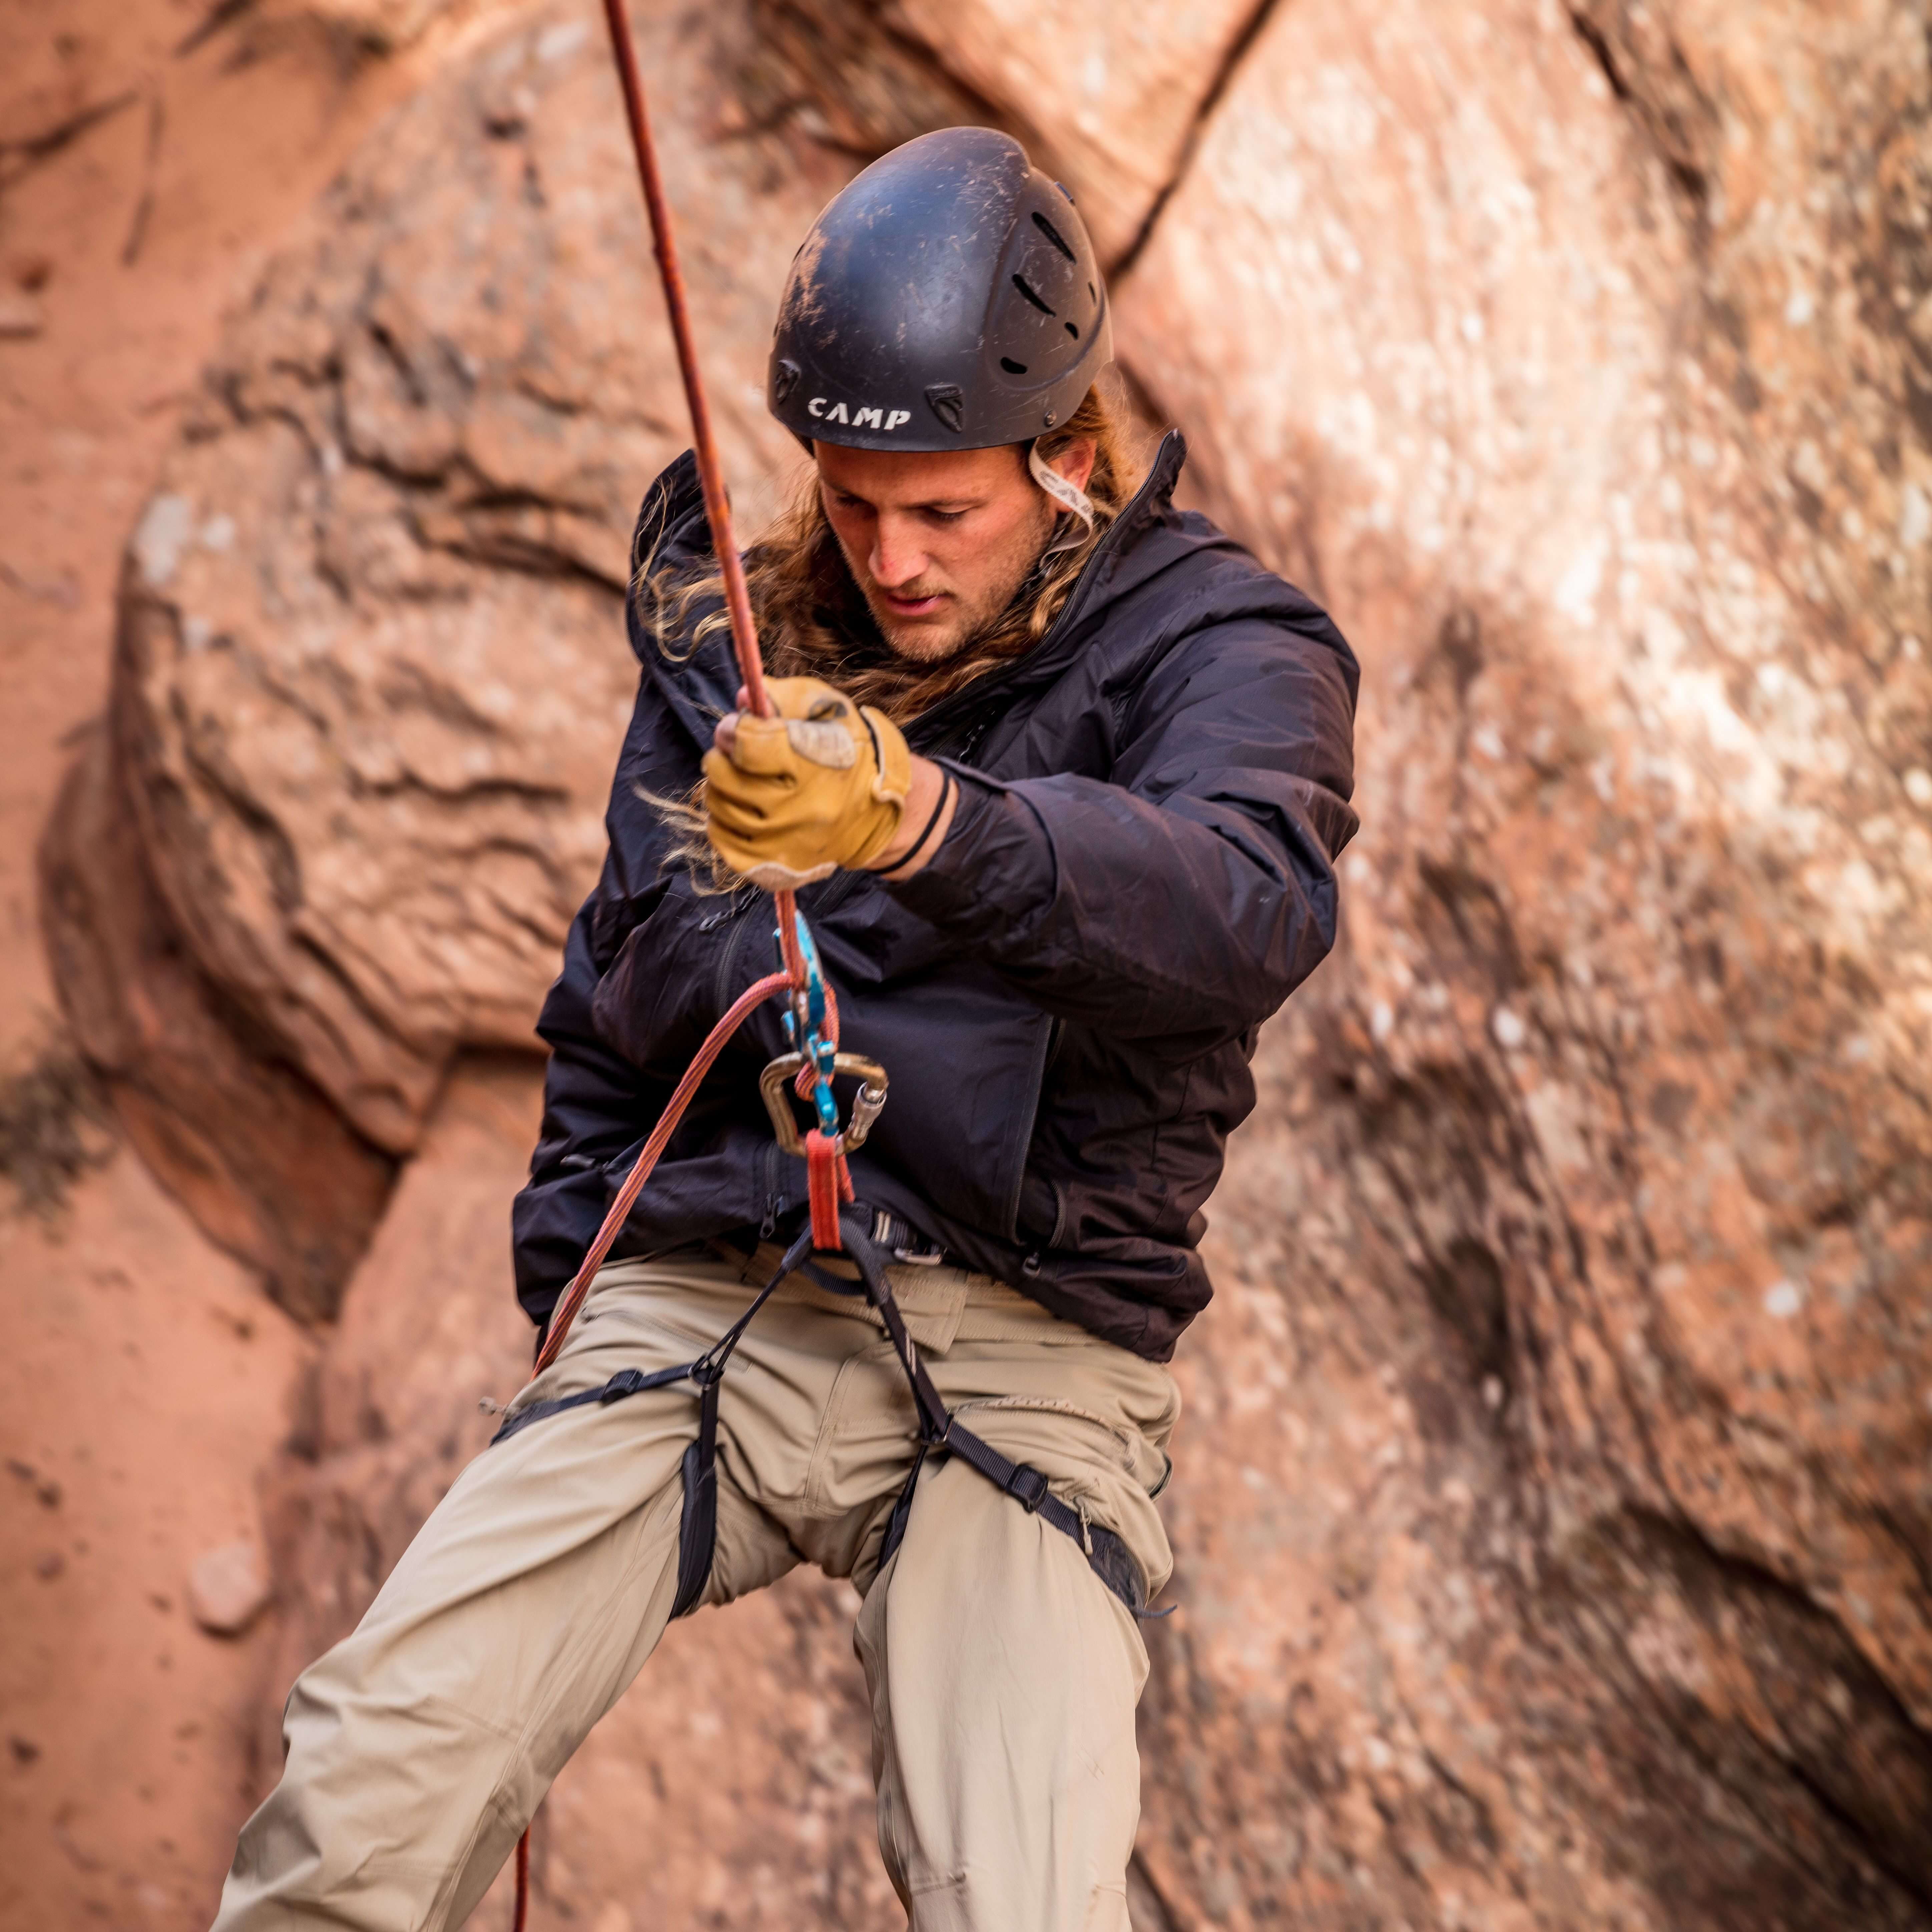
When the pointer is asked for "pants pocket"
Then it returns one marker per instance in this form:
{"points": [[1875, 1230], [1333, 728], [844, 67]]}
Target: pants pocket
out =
{"points": [[1100, 1466], [1067, 1439]]}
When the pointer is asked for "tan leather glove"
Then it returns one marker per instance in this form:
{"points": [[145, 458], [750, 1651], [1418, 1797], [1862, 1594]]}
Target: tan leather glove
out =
{"points": [[821, 786]]}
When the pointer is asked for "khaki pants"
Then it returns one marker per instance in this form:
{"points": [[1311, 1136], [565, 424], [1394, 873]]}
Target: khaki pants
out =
{"points": [[1002, 1674]]}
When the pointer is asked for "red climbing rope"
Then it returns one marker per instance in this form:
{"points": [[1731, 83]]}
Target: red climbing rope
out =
{"points": [[834, 1182], [565, 1313], [571, 1299], [745, 641], [717, 504]]}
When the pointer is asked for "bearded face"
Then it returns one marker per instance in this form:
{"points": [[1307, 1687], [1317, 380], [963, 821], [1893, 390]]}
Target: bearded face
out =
{"points": [[938, 542]]}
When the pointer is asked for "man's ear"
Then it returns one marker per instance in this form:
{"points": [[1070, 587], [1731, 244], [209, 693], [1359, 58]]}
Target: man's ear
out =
{"points": [[1076, 462]]}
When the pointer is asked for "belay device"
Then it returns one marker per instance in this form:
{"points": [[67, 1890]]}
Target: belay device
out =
{"points": [[836, 1225]]}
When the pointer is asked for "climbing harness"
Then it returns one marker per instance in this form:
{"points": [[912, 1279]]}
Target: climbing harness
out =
{"points": [[836, 1223], [941, 1432]]}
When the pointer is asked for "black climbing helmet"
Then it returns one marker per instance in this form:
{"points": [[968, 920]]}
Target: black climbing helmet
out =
{"points": [[948, 299]]}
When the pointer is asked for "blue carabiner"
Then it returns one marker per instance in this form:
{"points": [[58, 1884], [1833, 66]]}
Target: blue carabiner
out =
{"points": [[818, 1050], [815, 978]]}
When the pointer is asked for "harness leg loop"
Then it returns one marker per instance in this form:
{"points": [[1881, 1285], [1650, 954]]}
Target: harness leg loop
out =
{"points": [[697, 1529]]}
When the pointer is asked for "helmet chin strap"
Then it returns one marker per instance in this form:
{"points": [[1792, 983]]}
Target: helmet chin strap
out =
{"points": [[1071, 498]]}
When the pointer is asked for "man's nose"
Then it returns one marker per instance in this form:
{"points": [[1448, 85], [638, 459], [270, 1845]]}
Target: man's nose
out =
{"points": [[898, 556]]}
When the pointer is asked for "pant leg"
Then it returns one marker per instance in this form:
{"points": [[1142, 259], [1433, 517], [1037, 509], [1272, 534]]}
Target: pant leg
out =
{"points": [[1003, 1674], [419, 1747], [1004, 1677]]}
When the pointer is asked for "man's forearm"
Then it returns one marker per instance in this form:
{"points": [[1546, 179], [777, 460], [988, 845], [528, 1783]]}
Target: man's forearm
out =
{"points": [[1189, 918]]}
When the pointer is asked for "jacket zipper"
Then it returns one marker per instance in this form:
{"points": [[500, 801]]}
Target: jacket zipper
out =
{"points": [[721, 993], [775, 1200]]}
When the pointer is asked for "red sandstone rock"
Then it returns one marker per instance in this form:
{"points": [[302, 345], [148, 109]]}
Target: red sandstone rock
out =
{"points": [[1554, 1508], [245, 1141], [228, 1588], [1105, 96], [1553, 1512], [373, 673]]}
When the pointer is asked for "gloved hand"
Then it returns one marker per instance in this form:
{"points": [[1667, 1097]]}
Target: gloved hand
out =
{"points": [[821, 785]]}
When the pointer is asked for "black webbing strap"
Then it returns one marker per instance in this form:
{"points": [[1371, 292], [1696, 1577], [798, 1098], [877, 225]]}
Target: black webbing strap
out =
{"points": [[902, 1510], [624, 1382], [697, 1527], [1107, 1555]]}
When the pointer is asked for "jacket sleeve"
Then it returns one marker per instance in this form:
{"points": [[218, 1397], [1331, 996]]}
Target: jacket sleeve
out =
{"points": [[1185, 898]]}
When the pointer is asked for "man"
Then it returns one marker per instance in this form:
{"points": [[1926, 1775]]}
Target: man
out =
{"points": [[1064, 772]]}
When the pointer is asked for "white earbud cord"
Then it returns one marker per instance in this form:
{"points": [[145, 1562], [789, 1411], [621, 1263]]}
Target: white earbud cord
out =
{"points": [[1071, 498]]}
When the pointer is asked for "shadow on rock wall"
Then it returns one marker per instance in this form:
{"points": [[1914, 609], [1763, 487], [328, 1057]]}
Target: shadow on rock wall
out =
{"points": [[1554, 1515], [1578, 1335]]}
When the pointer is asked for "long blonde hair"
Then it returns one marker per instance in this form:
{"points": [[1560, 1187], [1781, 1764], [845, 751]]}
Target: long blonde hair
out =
{"points": [[813, 621]]}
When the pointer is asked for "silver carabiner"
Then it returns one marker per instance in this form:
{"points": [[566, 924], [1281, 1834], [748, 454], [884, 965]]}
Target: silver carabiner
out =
{"points": [[865, 1108]]}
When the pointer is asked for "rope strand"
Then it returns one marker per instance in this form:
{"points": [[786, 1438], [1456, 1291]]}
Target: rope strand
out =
{"points": [[704, 443], [744, 642], [565, 1313]]}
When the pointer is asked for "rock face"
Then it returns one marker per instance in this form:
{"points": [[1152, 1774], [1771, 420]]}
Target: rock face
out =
{"points": [[1574, 1308], [1106, 98], [429, 1329], [246, 1142], [1555, 1505], [373, 673]]}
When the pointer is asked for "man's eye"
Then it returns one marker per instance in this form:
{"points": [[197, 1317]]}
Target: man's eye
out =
{"points": [[945, 516]]}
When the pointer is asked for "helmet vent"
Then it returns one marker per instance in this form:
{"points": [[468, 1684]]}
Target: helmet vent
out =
{"points": [[1027, 288], [786, 380], [947, 401], [1012, 367], [1071, 331], [1053, 236]]}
